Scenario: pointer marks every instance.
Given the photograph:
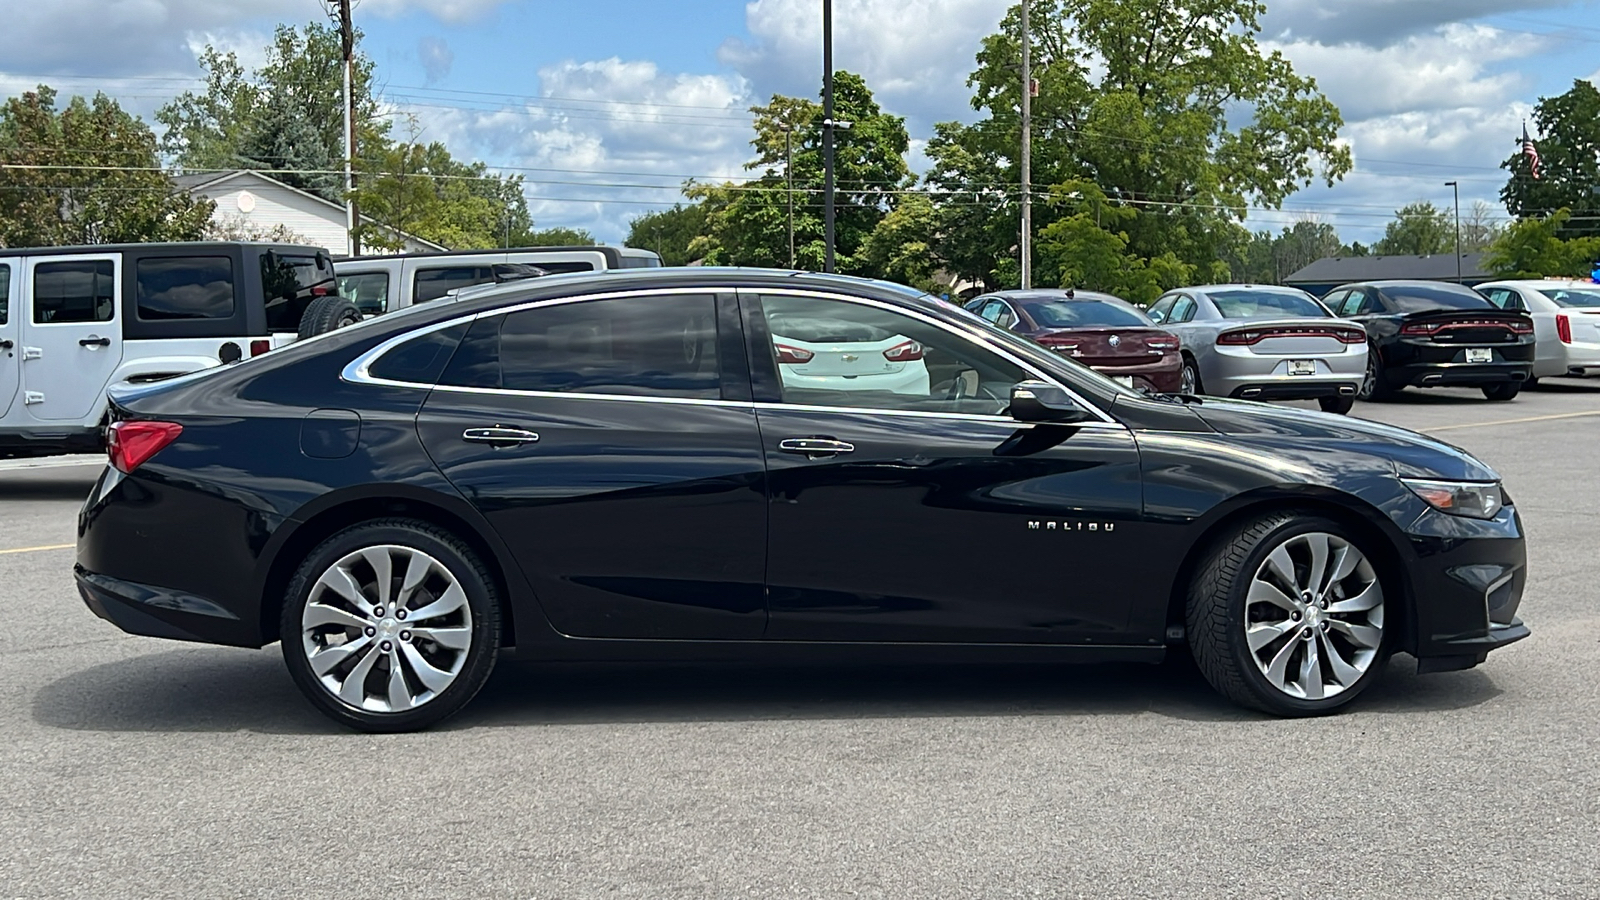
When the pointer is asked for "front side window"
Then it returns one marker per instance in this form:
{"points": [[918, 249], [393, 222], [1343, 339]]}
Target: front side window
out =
{"points": [[369, 291], [184, 287], [290, 282], [1266, 304], [431, 284], [837, 353], [73, 292], [1162, 308], [631, 346]]}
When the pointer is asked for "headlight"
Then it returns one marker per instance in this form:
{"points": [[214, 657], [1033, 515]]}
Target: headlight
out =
{"points": [[1476, 499]]}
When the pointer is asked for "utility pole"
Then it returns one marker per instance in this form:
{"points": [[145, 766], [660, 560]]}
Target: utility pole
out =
{"points": [[347, 40], [788, 175], [1457, 187], [1027, 155], [827, 135]]}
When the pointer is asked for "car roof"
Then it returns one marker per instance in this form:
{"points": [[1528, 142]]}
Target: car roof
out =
{"points": [[1405, 282], [197, 247], [1207, 288], [1540, 283], [709, 277], [1051, 294]]}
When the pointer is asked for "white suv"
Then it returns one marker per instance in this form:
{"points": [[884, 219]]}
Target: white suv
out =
{"points": [[379, 284], [76, 320]]}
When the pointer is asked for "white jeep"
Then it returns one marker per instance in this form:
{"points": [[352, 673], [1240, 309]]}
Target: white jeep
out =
{"points": [[75, 321], [380, 284]]}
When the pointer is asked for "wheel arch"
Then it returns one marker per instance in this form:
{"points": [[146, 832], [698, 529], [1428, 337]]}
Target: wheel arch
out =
{"points": [[1363, 519], [335, 512]]}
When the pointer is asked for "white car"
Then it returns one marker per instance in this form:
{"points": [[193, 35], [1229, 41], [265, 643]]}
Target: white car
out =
{"points": [[1566, 322], [852, 357]]}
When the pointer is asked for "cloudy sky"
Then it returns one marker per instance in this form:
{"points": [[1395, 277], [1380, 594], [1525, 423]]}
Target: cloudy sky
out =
{"points": [[606, 106]]}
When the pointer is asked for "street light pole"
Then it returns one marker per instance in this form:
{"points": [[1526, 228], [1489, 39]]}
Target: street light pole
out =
{"points": [[1027, 156], [827, 134], [788, 175], [1457, 187]]}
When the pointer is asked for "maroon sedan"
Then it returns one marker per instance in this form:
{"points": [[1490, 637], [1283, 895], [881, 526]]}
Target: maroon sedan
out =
{"points": [[1103, 332]]}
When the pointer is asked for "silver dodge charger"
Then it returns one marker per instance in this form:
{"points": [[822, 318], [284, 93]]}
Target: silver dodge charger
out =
{"points": [[1264, 343]]}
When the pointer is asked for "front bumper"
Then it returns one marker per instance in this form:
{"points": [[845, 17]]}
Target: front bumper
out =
{"points": [[1467, 583]]}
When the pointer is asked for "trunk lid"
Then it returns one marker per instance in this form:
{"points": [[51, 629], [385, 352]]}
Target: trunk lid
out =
{"points": [[1457, 327], [1293, 337]]}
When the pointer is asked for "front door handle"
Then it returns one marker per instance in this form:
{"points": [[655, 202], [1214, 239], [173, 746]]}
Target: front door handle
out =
{"points": [[95, 342], [815, 447], [500, 436], [6, 344]]}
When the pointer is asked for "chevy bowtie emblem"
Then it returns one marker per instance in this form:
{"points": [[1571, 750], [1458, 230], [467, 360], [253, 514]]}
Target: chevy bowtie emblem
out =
{"points": [[1114, 340], [849, 357]]}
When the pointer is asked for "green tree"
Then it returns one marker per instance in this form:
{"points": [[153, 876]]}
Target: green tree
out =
{"points": [[421, 189], [559, 236], [1418, 229], [101, 181], [1534, 248], [1569, 162], [900, 248], [1088, 247], [669, 232], [1479, 228], [1168, 106]]}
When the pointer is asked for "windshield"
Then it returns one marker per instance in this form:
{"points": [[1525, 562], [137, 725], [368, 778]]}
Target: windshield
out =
{"points": [[1575, 298], [1265, 304], [1412, 298], [1083, 313]]}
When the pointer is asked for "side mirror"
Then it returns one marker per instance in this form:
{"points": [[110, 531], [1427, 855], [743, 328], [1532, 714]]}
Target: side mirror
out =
{"points": [[1040, 401]]}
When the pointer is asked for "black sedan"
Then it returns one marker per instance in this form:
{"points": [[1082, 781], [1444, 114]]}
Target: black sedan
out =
{"points": [[639, 465], [1433, 334]]}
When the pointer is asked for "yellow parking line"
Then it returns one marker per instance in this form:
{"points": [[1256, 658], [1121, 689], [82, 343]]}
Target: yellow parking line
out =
{"points": [[1513, 421], [45, 547]]}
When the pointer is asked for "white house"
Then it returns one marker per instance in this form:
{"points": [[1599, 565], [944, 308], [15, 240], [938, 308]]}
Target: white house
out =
{"points": [[252, 205]]}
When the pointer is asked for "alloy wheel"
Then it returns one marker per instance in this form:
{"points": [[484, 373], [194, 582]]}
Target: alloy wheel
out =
{"points": [[1369, 384], [1314, 616], [1188, 380], [386, 628]]}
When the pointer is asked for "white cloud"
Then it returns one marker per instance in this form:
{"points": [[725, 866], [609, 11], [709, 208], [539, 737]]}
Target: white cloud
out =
{"points": [[436, 58], [1380, 23], [444, 10]]}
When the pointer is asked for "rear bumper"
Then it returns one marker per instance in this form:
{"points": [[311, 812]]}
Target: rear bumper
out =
{"points": [[1294, 389], [1439, 374], [1165, 376], [160, 612]]}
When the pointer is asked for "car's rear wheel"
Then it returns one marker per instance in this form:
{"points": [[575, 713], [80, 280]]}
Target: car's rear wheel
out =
{"points": [[1374, 386], [1337, 405], [1506, 391], [1287, 616], [327, 314], [1189, 378], [390, 625]]}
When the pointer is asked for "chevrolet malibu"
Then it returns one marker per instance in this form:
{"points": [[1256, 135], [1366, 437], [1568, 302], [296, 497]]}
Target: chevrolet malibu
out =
{"points": [[617, 467]]}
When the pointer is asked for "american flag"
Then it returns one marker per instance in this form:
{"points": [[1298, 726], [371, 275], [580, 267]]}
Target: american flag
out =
{"points": [[1530, 151]]}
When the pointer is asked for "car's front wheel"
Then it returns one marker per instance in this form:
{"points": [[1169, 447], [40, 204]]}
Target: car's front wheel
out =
{"points": [[1287, 616], [390, 625]]}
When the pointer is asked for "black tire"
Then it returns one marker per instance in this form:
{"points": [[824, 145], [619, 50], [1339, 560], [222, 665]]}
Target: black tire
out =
{"points": [[1339, 406], [1532, 383], [1190, 375], [1504, 391], [327, 314], [1374, 387], [476, 661], [1217, 609]]}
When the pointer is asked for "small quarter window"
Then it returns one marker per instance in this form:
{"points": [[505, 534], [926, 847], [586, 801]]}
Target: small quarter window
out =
{"points": [[184, 287], [80, 291], [420, 360]]}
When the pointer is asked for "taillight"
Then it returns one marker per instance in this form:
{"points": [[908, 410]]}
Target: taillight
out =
{"points": [[130, 444], [1522, 327], [906, 352], [1423, 329], [1350, 337], [259, 347], [1162, 343], [1563, 328], [792, 356], [1239, 338]]}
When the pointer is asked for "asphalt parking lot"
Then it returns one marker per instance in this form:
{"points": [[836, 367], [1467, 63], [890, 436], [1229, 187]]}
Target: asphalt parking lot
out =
{"points": [[141, 768]]}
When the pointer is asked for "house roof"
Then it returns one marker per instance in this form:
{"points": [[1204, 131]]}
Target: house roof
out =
{"points": [[1346, 269], [195, 181]]}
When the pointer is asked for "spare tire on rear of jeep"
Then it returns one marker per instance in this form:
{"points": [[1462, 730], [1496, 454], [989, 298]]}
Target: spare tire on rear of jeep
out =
{"points": [[326, 314]]}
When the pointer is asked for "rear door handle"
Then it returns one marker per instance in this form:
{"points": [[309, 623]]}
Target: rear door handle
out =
{"points": [[95, 342], [815, 447], [500, 436]]}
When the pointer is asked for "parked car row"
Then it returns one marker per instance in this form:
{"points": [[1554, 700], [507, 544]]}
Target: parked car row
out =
{"points": [[1367, 340]]}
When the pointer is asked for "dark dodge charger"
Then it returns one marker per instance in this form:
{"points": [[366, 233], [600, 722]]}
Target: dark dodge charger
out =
{"points": [[629, 465]]}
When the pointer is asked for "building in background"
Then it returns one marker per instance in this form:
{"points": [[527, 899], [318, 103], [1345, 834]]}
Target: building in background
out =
{"points": [[253, 206], [1328, 273]]}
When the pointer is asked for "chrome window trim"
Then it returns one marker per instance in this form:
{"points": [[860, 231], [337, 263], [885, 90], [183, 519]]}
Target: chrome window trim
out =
{"points": [[358, 370]]}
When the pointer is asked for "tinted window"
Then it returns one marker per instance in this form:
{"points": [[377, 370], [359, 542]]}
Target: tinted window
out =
{"points": [[1183, 309], [641, 346], [1505, 298], [1265, 304], [557, 268], [73, 292], [187, 287], [1082, 313], [369, 291], [1578, 298], [5, 294], [290, 283], [431, 284], [836, 353], [421, 359], [1410, 298]]}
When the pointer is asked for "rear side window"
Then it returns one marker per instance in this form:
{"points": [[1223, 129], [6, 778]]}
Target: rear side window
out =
{"points": [[420, 360], [1410, 298], [73, 292], [5, 294], [431, 284], [1571, 298], [184, 287], [630, 346], [368, 291], [290, 282]]}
